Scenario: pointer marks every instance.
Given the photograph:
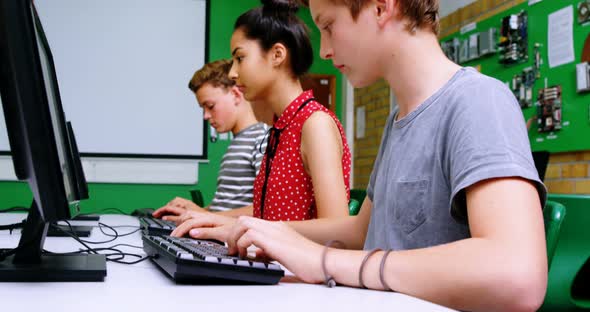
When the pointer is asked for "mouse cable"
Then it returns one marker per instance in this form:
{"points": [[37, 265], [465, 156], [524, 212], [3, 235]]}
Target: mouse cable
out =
{"points": [[120, 255]]}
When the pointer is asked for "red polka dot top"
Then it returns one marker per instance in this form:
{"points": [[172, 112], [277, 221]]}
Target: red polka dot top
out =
{"points": [[289, 190]]}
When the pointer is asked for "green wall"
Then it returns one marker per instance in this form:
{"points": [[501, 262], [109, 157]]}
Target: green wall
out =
{"points": [[128, 197], [575, 130]]}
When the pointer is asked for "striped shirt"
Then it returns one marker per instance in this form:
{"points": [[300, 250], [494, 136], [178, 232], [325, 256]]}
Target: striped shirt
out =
{"points": [[239, 167]]}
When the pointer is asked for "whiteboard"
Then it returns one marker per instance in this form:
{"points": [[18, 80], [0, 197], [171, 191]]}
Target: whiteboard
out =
{"points": [[123, 68]]}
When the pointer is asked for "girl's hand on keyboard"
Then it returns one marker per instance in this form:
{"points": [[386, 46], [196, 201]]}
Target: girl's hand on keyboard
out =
{"points": [[278, 241], [205, 226], [174, 209]]}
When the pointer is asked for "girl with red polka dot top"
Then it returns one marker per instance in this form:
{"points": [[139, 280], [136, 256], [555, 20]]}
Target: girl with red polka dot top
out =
{"points": [[306, 167], [305, 171]]}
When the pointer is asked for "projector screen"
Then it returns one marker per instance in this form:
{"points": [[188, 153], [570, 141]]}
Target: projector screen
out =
{"points": [[123, 68]]}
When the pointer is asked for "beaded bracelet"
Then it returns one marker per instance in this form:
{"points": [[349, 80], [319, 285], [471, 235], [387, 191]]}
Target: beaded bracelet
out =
{"points": [[363, 265], [328, 279]]}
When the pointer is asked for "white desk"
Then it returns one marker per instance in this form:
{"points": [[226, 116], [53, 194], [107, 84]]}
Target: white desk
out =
{"points": [[142, 287]]}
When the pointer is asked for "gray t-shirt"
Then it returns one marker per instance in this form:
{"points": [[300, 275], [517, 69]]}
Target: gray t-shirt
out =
{"points": [[470, 130]]}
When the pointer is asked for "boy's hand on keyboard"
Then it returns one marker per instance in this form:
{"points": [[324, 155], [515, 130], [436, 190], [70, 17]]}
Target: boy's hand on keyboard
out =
{"points": [[205, 226], [175, 208], [278, 241]]}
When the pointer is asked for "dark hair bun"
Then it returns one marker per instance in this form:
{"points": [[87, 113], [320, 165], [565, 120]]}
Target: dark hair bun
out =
{"points": [[287, 6]]}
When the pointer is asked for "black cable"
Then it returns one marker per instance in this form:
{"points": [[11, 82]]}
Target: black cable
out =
{"points": [[100, 225], [112, 228], [117, 256], [73, 235], [13, 226], [114, 237], [120, 255], [128, 245]]}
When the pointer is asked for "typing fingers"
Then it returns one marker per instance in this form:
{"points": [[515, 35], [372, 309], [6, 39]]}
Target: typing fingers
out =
{"points": [[175, 219], [262, 256], [187, 215], [183, 228], [249, 238], [181, 202], [218, 233], [237, 231], [168, 210]]}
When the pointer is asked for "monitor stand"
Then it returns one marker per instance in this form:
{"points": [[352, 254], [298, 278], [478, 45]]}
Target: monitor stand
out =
{"points": [[60, 230], [30, 264], [86, 217]]}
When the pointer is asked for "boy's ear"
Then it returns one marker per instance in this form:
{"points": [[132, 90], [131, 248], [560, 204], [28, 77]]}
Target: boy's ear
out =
{"points": [[278, 54], [384, 10], [238, 95]]}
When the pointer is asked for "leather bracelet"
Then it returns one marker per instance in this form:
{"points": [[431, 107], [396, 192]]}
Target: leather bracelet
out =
{"points": [[381, 269], [363, 266], [328, 279]]}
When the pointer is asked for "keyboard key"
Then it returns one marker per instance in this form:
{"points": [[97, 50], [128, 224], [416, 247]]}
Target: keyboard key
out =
{"points": [[259, 265]]}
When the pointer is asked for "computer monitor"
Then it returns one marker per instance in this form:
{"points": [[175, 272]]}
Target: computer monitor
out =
{"points": [[43, 151]]}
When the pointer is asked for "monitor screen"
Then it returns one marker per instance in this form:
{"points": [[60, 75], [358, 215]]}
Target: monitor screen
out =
{"points": [[43, 149], [55, 108]]}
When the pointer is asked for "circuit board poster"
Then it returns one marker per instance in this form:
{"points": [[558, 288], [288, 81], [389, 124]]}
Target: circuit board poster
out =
{"points": [[513, 47]]}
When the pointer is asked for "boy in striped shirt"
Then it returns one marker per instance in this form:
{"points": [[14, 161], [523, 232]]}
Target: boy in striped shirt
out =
{"points": [[226, 110]]}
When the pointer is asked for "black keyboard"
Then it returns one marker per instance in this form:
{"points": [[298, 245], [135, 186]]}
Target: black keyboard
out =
{"points": [[193, 261], [154, 226]]}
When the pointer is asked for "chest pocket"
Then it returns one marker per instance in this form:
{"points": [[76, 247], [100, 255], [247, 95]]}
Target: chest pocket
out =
{"points": [[409, 198]]}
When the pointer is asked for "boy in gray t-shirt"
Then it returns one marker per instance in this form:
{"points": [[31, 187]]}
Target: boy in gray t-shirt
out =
{"points": [[454, 201], [463, 135]]}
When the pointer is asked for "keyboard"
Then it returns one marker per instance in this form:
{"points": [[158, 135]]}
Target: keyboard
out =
{"points": [[193, 261], [154, 226]]}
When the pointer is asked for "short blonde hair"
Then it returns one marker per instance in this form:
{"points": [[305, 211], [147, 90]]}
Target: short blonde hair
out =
{"points": [[215, 73], [420, 13]]}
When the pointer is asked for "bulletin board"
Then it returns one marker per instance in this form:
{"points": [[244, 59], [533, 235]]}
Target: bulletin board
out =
{"points": [[574, 134]]}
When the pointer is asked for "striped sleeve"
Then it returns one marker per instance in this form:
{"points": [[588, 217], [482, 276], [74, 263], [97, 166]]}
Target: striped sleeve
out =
{"points": [[239, 165]]}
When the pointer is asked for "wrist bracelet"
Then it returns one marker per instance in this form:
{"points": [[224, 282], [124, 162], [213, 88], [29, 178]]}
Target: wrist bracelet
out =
{"points": [[363, 265], [328, 279], [381, 269]]}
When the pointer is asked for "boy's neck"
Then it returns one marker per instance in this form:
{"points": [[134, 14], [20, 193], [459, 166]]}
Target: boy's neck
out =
{"points": [[246, 118], [416, 69]]}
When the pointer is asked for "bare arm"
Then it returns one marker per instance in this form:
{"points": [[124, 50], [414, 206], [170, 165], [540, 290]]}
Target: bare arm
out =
{"points": [[502, 267], [244, 211], [321, 151], [351, 230]]}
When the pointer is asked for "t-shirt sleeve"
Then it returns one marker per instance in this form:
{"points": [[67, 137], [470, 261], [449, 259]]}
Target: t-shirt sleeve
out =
{"points": [[487, 138]]}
